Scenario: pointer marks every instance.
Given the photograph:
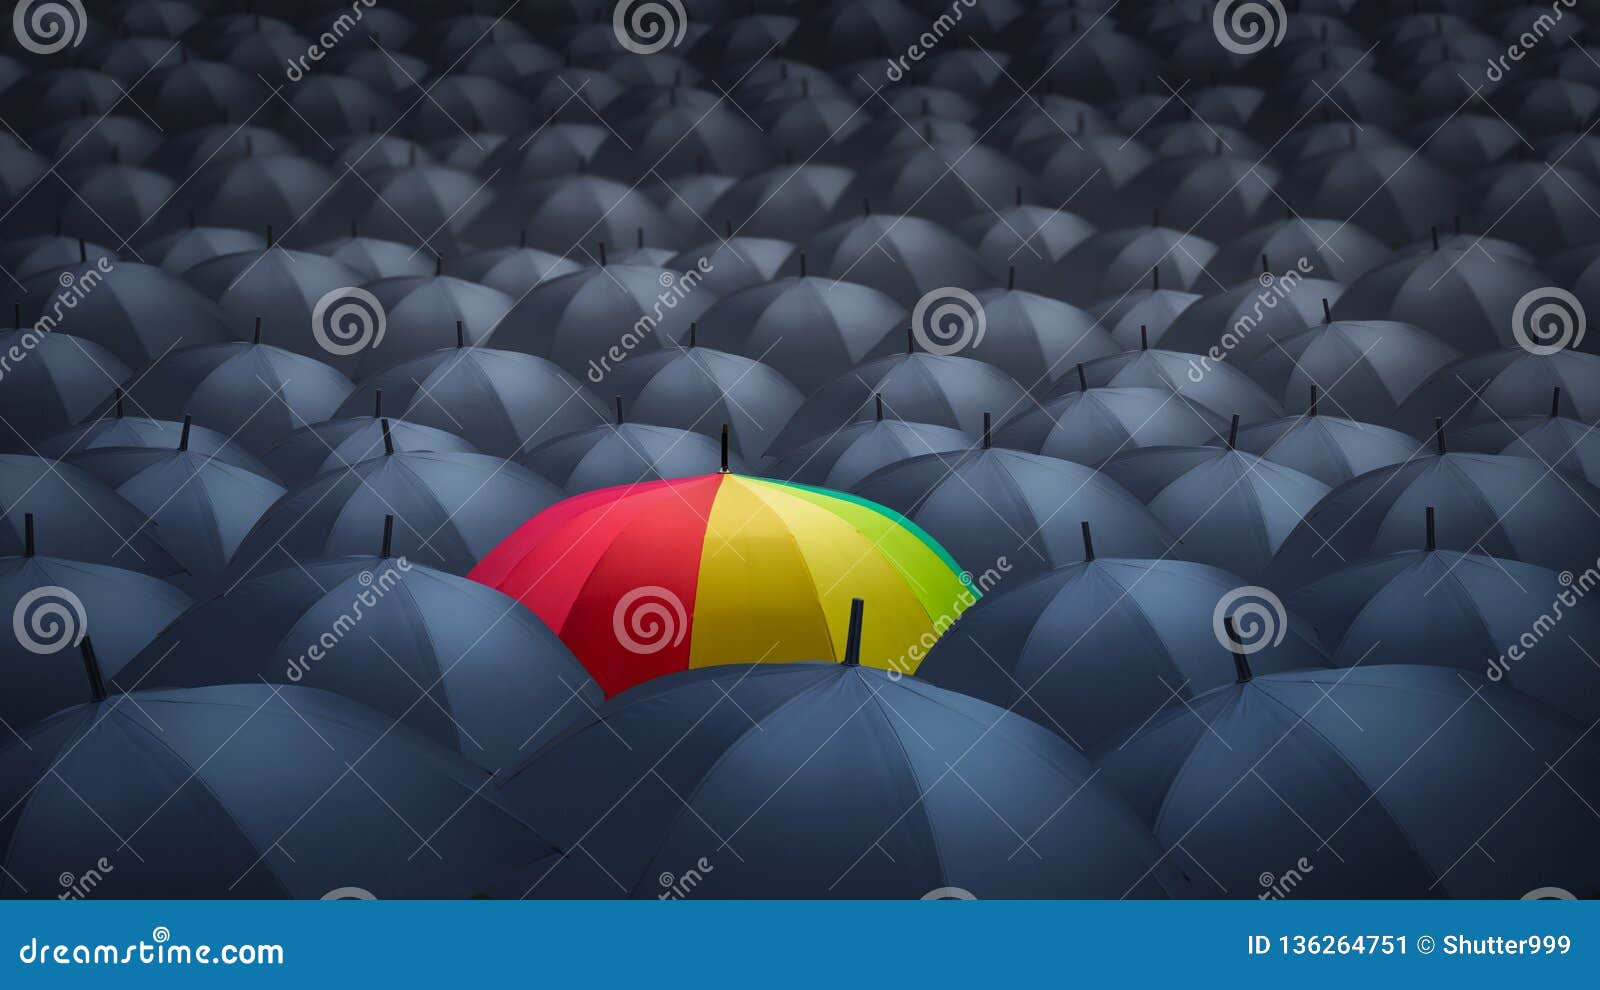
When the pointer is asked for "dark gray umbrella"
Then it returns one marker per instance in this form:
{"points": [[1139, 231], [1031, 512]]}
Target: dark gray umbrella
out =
{"points": [[426, 312], [79, 518], [1252, 317], [1506, 384], [1335, 249], [1331, 449], [1052, 115], [282, 290], [137, 312], [1508, 507], [1090, 426], [1026, 237], [55, 602], [1541, 204], [1370, 366], [943, 390], [1466, 143], [253, 393], [114, 202], [182, 250], [117, 429], [341, 443], [1116, 262], [670, 140], [1089, 171], [1460, 610], [1387, 190], [249, 791], [432, 205], [450, 509], [325, 105], [732, 262], [1228, 508], [458, 101], [1217, 386], [514, 270], [200, 507], [842, 458], [62, 383], [197, 148], [1213, 194], [988, 505], [1288, 760], [1133, 318], [814, 121], [707, 391], [1545, 105], [570, 212], [811, 329], [549, 151], [375, 258], [505, 402], [1564, 444], [452, 659], [583, 320], [904, 257], [26, 257], [1091, 648], [626, 453], [1033, 338], [947, 181], [811, 772], [293, 195], [85, 144]]}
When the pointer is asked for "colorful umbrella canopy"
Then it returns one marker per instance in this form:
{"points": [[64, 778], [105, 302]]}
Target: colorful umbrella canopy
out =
{"points": [[642, 580]]}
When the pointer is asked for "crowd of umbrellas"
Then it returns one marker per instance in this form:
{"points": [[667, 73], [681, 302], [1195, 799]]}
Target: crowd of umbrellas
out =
{"points": [[884, 449]]}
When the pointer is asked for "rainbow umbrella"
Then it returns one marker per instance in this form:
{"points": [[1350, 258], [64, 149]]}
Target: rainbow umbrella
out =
{"points": [[647, 579]]}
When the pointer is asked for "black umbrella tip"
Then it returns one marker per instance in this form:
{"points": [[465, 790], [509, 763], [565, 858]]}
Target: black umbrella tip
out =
{"points": [[183, 436], [1438, 434], [617, 401], [724, 448], [1432, 537], [256, 337], [1233, 432], [27, 534], [461, 335], [1241, 663], [388, 437], [388, 537], [877, 401], [1312, 409], [1555, 402], [852, 643], [988, 440], [1088, 542], [91, 667]]}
